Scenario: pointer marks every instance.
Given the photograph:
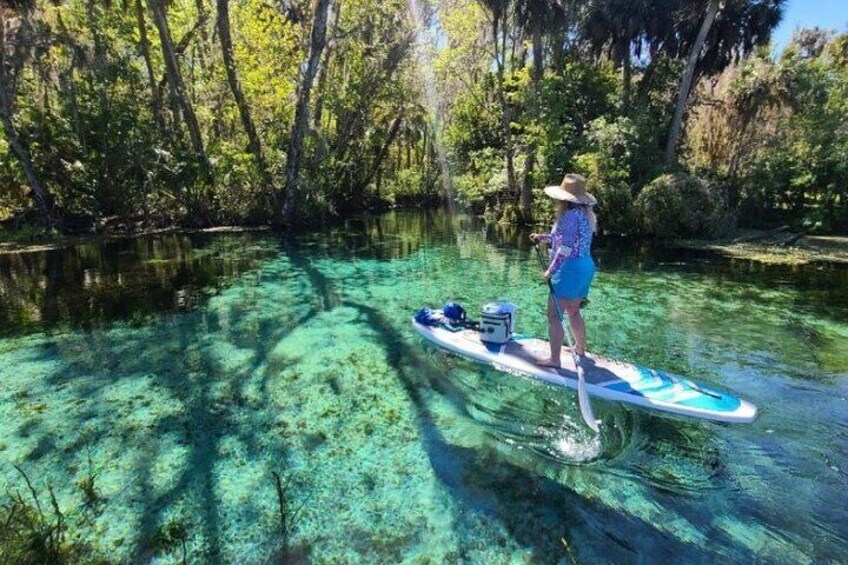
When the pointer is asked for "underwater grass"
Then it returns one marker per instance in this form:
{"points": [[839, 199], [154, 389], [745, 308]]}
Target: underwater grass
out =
{"points": [[161, 434]]}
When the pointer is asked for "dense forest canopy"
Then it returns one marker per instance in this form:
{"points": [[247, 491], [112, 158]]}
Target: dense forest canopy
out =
{"points": [[201, 112]]}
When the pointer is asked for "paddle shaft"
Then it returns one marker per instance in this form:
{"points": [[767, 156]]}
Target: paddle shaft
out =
{"points": [[560, 315], [567, 334], [582, 392]]}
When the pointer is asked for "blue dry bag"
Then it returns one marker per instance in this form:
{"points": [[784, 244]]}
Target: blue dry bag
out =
{"points": [[454, 312], [427, 317]]}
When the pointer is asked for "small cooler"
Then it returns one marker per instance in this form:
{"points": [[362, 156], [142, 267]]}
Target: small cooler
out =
{"points": [[497, 322]]}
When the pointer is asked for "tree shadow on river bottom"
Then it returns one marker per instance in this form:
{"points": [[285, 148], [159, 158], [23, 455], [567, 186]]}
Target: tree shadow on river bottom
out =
{"points": [[536, 511]]}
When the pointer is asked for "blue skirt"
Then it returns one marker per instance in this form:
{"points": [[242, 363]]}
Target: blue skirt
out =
{"points": [[573, 278]]}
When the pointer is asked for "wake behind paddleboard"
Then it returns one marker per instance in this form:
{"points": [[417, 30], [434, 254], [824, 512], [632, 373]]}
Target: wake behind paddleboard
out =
{"points": [[605, 378]]}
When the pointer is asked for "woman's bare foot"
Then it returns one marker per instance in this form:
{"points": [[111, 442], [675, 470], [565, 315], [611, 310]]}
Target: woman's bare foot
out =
{"points": [[548, 362]]}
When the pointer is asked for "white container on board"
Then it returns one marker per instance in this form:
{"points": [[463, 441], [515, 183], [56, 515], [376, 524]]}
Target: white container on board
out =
{"points": [[497, 322]]}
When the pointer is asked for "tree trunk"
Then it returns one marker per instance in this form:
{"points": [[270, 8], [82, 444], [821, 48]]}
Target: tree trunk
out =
{"points": [[627, 79], [202, 16], [177, 86], [377, 164], [558, 53], [535, 78], [322, 72], [102, 134], [500, 55], [144, 43], [43, 199], [686, 83], [350, 125], [301, 116], [254, 143]]}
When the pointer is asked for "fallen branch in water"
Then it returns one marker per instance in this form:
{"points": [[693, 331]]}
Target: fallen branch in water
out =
{"points": [[288, 521]]}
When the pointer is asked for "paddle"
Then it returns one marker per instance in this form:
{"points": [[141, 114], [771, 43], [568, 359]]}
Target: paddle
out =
{"points": [[582, 393]]}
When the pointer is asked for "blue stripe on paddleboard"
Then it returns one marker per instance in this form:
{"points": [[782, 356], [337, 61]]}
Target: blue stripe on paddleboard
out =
{"points": [[648, 383], [653, 384], [726, 403]]}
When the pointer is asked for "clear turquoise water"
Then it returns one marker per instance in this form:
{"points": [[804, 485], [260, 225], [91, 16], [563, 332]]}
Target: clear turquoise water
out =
{"points": [[189, 368]]}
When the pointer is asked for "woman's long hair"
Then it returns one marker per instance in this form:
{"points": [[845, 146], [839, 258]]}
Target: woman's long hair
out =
{"points": [[563, 206]]}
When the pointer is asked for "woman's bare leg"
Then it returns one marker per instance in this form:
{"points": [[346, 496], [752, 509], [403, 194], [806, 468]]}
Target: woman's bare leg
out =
{"points": [[570, 308], [556, 335], [578, 325]]}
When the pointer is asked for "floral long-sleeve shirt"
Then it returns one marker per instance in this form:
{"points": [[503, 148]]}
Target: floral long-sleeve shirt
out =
{"points": [[570, 238]]}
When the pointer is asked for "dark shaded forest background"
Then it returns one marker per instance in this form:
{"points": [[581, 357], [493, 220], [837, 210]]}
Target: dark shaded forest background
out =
{"points": [[151, 113]]}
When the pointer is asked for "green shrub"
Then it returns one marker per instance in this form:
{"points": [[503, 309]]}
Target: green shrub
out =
{"points": [[576, 95], [407, 184], [680, 205], [612, 142], [615, 208], [483, 182], [660, 207]]}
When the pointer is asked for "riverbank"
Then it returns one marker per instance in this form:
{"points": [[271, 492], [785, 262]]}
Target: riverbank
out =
{"points": [[48, 242], [777, 247]]}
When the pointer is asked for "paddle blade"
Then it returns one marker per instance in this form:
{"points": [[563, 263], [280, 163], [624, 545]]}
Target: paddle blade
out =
{"points": [[585, 405]]}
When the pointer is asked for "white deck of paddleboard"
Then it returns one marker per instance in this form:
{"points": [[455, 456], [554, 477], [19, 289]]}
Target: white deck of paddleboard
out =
{"points": [[605, 378]]}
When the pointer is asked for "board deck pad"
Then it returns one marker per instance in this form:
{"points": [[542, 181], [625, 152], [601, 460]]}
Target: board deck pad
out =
{"points": [[605, 378]]}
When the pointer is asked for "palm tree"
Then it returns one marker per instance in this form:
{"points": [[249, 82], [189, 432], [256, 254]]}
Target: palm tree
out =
{"points": [[616, 28], [537, 16], [686, 81]]}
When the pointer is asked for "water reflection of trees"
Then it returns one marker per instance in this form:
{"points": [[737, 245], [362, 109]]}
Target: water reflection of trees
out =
{"points": [[130, 279], [89, 284]]}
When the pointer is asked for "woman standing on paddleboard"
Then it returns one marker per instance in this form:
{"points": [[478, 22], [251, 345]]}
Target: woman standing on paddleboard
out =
{"points": [[571, 270]]}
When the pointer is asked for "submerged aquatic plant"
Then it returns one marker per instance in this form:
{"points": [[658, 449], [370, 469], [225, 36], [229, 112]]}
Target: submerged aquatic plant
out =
{"points": [[86, 485], [31, 535], [169, 536]]}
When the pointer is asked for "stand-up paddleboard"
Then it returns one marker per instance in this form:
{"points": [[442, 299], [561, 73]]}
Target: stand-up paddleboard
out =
{"points": [[605, 378]]}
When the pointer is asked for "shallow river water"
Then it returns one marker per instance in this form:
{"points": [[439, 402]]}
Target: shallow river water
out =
{"points": [[176, 375]]}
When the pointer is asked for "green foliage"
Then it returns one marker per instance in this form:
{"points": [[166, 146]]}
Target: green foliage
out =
{"points": [[483, 182], [85, 111], [679, 205], [475, 121], [13, 189], [651, 112], [607, 167], [239, 194], [407, 187], [797, 170], [570, 101], [27, 234], [615, 208], [94, 111], [611, 144]]}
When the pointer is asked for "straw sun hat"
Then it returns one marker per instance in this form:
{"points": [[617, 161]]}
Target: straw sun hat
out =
{"points": [[572, 189]]}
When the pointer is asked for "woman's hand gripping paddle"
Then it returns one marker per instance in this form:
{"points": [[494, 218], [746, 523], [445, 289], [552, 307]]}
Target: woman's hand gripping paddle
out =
{"points": [[582, 393]]}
